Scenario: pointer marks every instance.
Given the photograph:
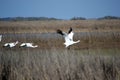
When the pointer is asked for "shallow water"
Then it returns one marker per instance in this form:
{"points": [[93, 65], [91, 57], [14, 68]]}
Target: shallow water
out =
{"points": [[51, 40], [55, 35]]}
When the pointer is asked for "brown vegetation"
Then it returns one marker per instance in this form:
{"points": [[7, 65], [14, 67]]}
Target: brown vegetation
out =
{"points": [[96, 57], [51, 26], [92, 33], [59, 65]]}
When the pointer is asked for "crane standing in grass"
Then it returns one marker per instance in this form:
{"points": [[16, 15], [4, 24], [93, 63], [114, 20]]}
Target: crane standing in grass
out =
{"points": [[0, 38], [68, 37], [11, 44], [28, 45]]}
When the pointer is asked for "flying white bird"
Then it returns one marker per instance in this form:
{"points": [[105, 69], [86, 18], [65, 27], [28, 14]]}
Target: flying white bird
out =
{"points": [[0, 38], [28, 45], [68, 37], [12, 44]]}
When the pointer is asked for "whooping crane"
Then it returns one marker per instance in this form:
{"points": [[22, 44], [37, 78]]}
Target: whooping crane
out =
{"points": [[68, 37], [12, 44], [28, 45], [0, 38]]}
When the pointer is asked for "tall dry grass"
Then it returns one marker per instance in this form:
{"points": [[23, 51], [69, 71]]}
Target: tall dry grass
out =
{"points": [[51, 26], [58, 65], [96, 57]]}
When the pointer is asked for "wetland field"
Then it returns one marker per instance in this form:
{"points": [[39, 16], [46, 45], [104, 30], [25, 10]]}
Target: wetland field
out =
{"points": [[96, 57]]}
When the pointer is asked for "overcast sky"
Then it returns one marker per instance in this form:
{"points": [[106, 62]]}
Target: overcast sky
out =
{"points": [[63, 9]]}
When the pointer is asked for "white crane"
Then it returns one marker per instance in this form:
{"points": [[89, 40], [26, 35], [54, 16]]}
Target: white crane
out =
{"points": [[11, 44], [0, 38], [68, 37], [28, 45]]}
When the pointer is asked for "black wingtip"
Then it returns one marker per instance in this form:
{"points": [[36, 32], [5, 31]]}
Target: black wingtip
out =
{"points": [[60, 32], [70, 30]]}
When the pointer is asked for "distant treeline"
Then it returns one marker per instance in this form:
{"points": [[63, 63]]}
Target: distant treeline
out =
{"points": [[26, 18], [101, 18], [46, 18]]}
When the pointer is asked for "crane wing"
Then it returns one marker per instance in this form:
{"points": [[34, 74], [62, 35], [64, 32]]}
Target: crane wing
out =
{"points": [[60, 32], [70, 30]]}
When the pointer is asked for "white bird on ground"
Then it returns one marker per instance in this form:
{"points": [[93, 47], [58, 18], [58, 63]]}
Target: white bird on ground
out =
{"points": [[28, 45], [11, 44], [68, 37], [0, 38]]}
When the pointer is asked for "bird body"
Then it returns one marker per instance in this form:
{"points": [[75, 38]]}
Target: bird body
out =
{"points": [[0, 38], [12, 44], [68, 37], [28, 45], [68, 43]]}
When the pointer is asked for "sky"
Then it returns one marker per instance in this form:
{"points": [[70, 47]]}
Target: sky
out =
{"points": [[62, 9]]}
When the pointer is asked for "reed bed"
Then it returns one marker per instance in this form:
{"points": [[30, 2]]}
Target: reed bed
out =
{"points": [[96, 57], [61, 64], [51, 26]]}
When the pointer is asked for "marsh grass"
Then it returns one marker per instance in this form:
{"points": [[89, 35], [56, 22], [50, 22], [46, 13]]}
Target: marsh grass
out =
{"points": [[91, 32], [51, 40], [51, 26], [58, 65], [96, 57]]}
